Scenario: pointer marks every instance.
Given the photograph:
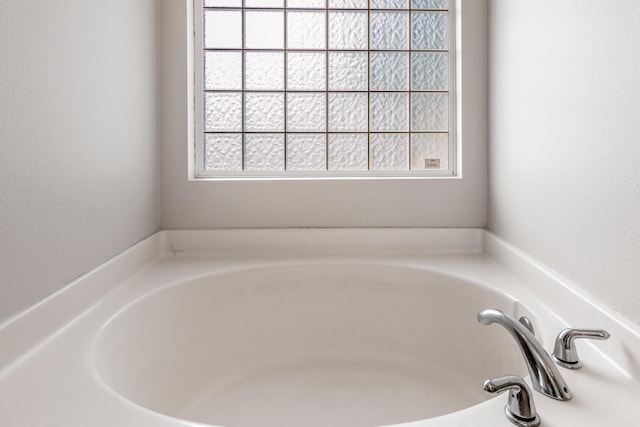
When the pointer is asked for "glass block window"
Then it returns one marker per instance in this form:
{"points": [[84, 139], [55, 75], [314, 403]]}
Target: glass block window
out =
{"points": [[324, 88]]}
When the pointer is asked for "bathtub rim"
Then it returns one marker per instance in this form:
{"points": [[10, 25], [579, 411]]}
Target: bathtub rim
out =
{"points": [[20, 340], [24, 332]]}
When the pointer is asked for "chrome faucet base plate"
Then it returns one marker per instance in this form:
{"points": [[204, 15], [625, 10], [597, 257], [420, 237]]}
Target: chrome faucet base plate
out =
{"points": [[533, 422]]}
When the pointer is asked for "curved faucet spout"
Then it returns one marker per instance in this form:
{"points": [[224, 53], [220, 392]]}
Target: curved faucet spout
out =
{"points": [[545, 376]]}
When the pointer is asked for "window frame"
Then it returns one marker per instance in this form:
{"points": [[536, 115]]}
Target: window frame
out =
{"points": [[196, 157]]}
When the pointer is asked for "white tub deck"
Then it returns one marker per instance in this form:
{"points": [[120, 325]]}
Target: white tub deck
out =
{"points": [[48, 373]]}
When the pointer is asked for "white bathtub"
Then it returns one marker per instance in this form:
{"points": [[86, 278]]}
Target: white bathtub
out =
{"points": [[308, 345], [305, 328]]}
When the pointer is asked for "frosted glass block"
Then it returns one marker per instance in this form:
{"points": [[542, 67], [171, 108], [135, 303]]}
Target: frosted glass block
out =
{"points": [[223, 152], [223, 29], [429, 71], [306, 71], [429, 151], [429, 112], [306, 152], [348, 4], [348, 30], [264, 70], [306, 30], [429, 31], [389, 112], [303, 4], [222, 3], [264, 30], [389, 151], [389, 4], [223, 70], [348, 70], [348, 112], [389, 70], [264, 152], [389, 30], [264, 112], [264, 3], [306, 112], [348, 152], [430, 4], [223, 112]]}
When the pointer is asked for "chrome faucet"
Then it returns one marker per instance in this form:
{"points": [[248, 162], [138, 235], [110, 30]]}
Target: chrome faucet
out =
{"points": [[520, 409], [545, 376], [564, 352]]}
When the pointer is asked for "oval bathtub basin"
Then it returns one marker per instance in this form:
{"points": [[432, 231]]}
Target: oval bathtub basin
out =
{"points": [[313, 345]]}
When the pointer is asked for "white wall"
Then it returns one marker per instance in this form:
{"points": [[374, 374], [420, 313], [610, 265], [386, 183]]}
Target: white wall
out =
{"points": [[328, 203], [78, 158], [565, 140]]}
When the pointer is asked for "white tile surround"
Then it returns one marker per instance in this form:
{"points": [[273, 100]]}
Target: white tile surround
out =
{"points": [[47, 378]]}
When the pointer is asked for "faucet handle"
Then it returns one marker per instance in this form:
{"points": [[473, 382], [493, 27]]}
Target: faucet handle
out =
{"points": [[520, 409], [564, 352]]}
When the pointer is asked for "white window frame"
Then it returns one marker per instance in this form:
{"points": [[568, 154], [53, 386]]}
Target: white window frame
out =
{"points": [[191, 203], [197, 151]]}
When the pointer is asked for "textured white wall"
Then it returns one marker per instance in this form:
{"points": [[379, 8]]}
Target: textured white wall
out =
{"points": [[328, 203], [565, 140], [78, 157]]}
